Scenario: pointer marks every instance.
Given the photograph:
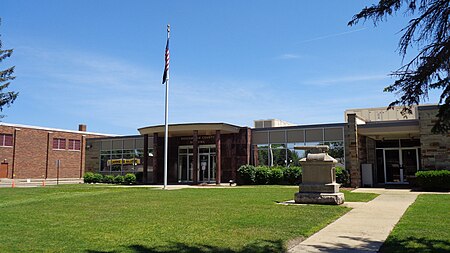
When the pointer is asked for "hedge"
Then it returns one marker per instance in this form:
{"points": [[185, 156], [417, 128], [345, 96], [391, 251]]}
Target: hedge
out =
{"points": [[342, 176], [249, 174], [90, 177], [434, 180]]}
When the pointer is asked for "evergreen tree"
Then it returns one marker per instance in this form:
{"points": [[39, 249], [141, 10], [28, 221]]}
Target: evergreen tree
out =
{"points": [[429, 31], [6, 76]]}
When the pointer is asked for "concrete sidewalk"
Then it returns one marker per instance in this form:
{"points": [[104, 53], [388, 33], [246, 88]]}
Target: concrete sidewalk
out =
{"points": [[364, 228]]}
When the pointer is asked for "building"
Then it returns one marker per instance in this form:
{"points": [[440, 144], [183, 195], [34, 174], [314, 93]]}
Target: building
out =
{"points": [[377, 146], [37, 152]]}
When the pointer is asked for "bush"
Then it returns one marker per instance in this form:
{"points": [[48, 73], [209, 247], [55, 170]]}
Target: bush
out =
{"points": [[130, 178], [108, 179], [88, 177], [262, 175], [119, 179], [275, 175], [97, 178], [434, 180], [292, 175], [342, 176], [247, 174]]}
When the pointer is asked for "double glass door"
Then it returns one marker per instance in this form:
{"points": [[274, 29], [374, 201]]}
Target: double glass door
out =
{"points": [[206, 166], [399, 164]]}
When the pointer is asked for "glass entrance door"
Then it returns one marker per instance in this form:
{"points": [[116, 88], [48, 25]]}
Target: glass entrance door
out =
{"points": [[399, 163], [207, 164], [410, 162], [392, 166], [206, 172], [185, 167]]}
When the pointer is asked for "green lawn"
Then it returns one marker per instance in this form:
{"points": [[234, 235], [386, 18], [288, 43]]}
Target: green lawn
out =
{"points": [[87, 218], [358, 196], [425, 227]]}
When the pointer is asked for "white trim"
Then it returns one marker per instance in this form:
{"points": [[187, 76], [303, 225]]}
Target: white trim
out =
{"points": [[55, 129]]}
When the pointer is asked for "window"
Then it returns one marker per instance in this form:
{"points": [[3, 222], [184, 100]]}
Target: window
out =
{"points": [[6, 140], [59, 143], [74, 144]]}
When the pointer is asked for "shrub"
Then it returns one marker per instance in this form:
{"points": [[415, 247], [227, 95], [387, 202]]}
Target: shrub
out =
{"points": [[292, 175], [119, 179], [342, 176], [262, 175], [247, 174], [88, 177], [434, 180], [130, 178], [108, 179], [97, 178], [275, 175]]}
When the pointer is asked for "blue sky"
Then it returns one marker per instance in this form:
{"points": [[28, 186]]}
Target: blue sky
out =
{"points": [[100, 62]]}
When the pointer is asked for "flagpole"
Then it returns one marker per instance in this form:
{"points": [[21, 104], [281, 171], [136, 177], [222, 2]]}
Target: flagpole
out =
{"points": [[166, 132]]}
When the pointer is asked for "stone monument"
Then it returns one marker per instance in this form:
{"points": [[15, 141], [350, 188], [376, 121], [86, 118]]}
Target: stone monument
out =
{"points": [[318, 178]]}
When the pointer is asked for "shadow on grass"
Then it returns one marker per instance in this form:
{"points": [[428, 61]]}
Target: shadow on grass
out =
{"points": [[414, 244], [258, 247]]}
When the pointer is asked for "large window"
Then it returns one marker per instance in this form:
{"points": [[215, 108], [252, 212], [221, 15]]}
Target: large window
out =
{"points": [[120, 157], [59, 143], [6, 140]]}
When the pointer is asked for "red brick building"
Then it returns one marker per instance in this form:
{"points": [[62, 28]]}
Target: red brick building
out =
{"points": [[33, 152]]}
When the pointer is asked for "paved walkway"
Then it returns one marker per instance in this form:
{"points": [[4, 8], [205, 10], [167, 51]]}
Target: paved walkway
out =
{"points": [[364, 228]]}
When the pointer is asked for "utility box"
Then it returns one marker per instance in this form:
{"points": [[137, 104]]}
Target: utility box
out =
{"points": [[367, 174]]}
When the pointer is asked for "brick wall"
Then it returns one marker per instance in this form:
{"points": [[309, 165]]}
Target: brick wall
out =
{"points": [[435, 148], [33, 156]]}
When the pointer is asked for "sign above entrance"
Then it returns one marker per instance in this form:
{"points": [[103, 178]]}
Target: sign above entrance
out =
{"points": [[203, 139]]}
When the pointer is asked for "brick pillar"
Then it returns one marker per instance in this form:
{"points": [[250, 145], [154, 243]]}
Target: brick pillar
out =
{"points": [[351, 151], [145, 163], [155, 158], [218, 158], [195, 157]]}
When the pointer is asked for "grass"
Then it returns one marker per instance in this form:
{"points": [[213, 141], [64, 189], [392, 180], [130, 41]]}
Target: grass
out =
{"points": [[86, 218], [425, 227], [358, 196]]}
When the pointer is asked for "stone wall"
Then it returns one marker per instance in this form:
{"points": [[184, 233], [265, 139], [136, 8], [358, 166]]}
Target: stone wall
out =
{"points": [[351, 150], [435, 148]]}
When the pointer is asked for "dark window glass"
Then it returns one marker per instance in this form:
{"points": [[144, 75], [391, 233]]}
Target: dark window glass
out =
{"points": [[410, 143], [388, 144]]}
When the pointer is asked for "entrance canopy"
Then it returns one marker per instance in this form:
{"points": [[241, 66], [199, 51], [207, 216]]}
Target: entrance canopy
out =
{"points": [[390, 129], [186, 129]]}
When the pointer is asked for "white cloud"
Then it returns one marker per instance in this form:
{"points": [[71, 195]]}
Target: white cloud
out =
{"points": [[288, 56]]}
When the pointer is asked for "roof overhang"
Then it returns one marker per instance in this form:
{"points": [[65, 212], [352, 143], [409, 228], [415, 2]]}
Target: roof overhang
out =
{"points": [[187, 129], [390, 129]]}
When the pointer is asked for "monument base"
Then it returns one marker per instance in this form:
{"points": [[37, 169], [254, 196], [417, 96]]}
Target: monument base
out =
{"points": [[319, 198]]}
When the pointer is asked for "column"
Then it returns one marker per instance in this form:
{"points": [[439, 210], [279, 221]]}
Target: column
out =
{"points": [[351, 151], [155, 158], [218, 158], [195, 157], [145, 163]]}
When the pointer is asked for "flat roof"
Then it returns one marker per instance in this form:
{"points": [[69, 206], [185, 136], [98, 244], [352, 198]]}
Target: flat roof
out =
{"points": [[398, 128], [52, 129], [186, 129], [326, 125]]}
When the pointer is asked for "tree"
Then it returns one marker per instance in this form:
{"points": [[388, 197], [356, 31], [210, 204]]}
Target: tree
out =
{"points": [[6, 76], [428, 30]]}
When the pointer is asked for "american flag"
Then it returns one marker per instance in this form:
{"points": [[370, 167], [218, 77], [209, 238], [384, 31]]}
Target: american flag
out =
{"points": [[166, 68]]}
